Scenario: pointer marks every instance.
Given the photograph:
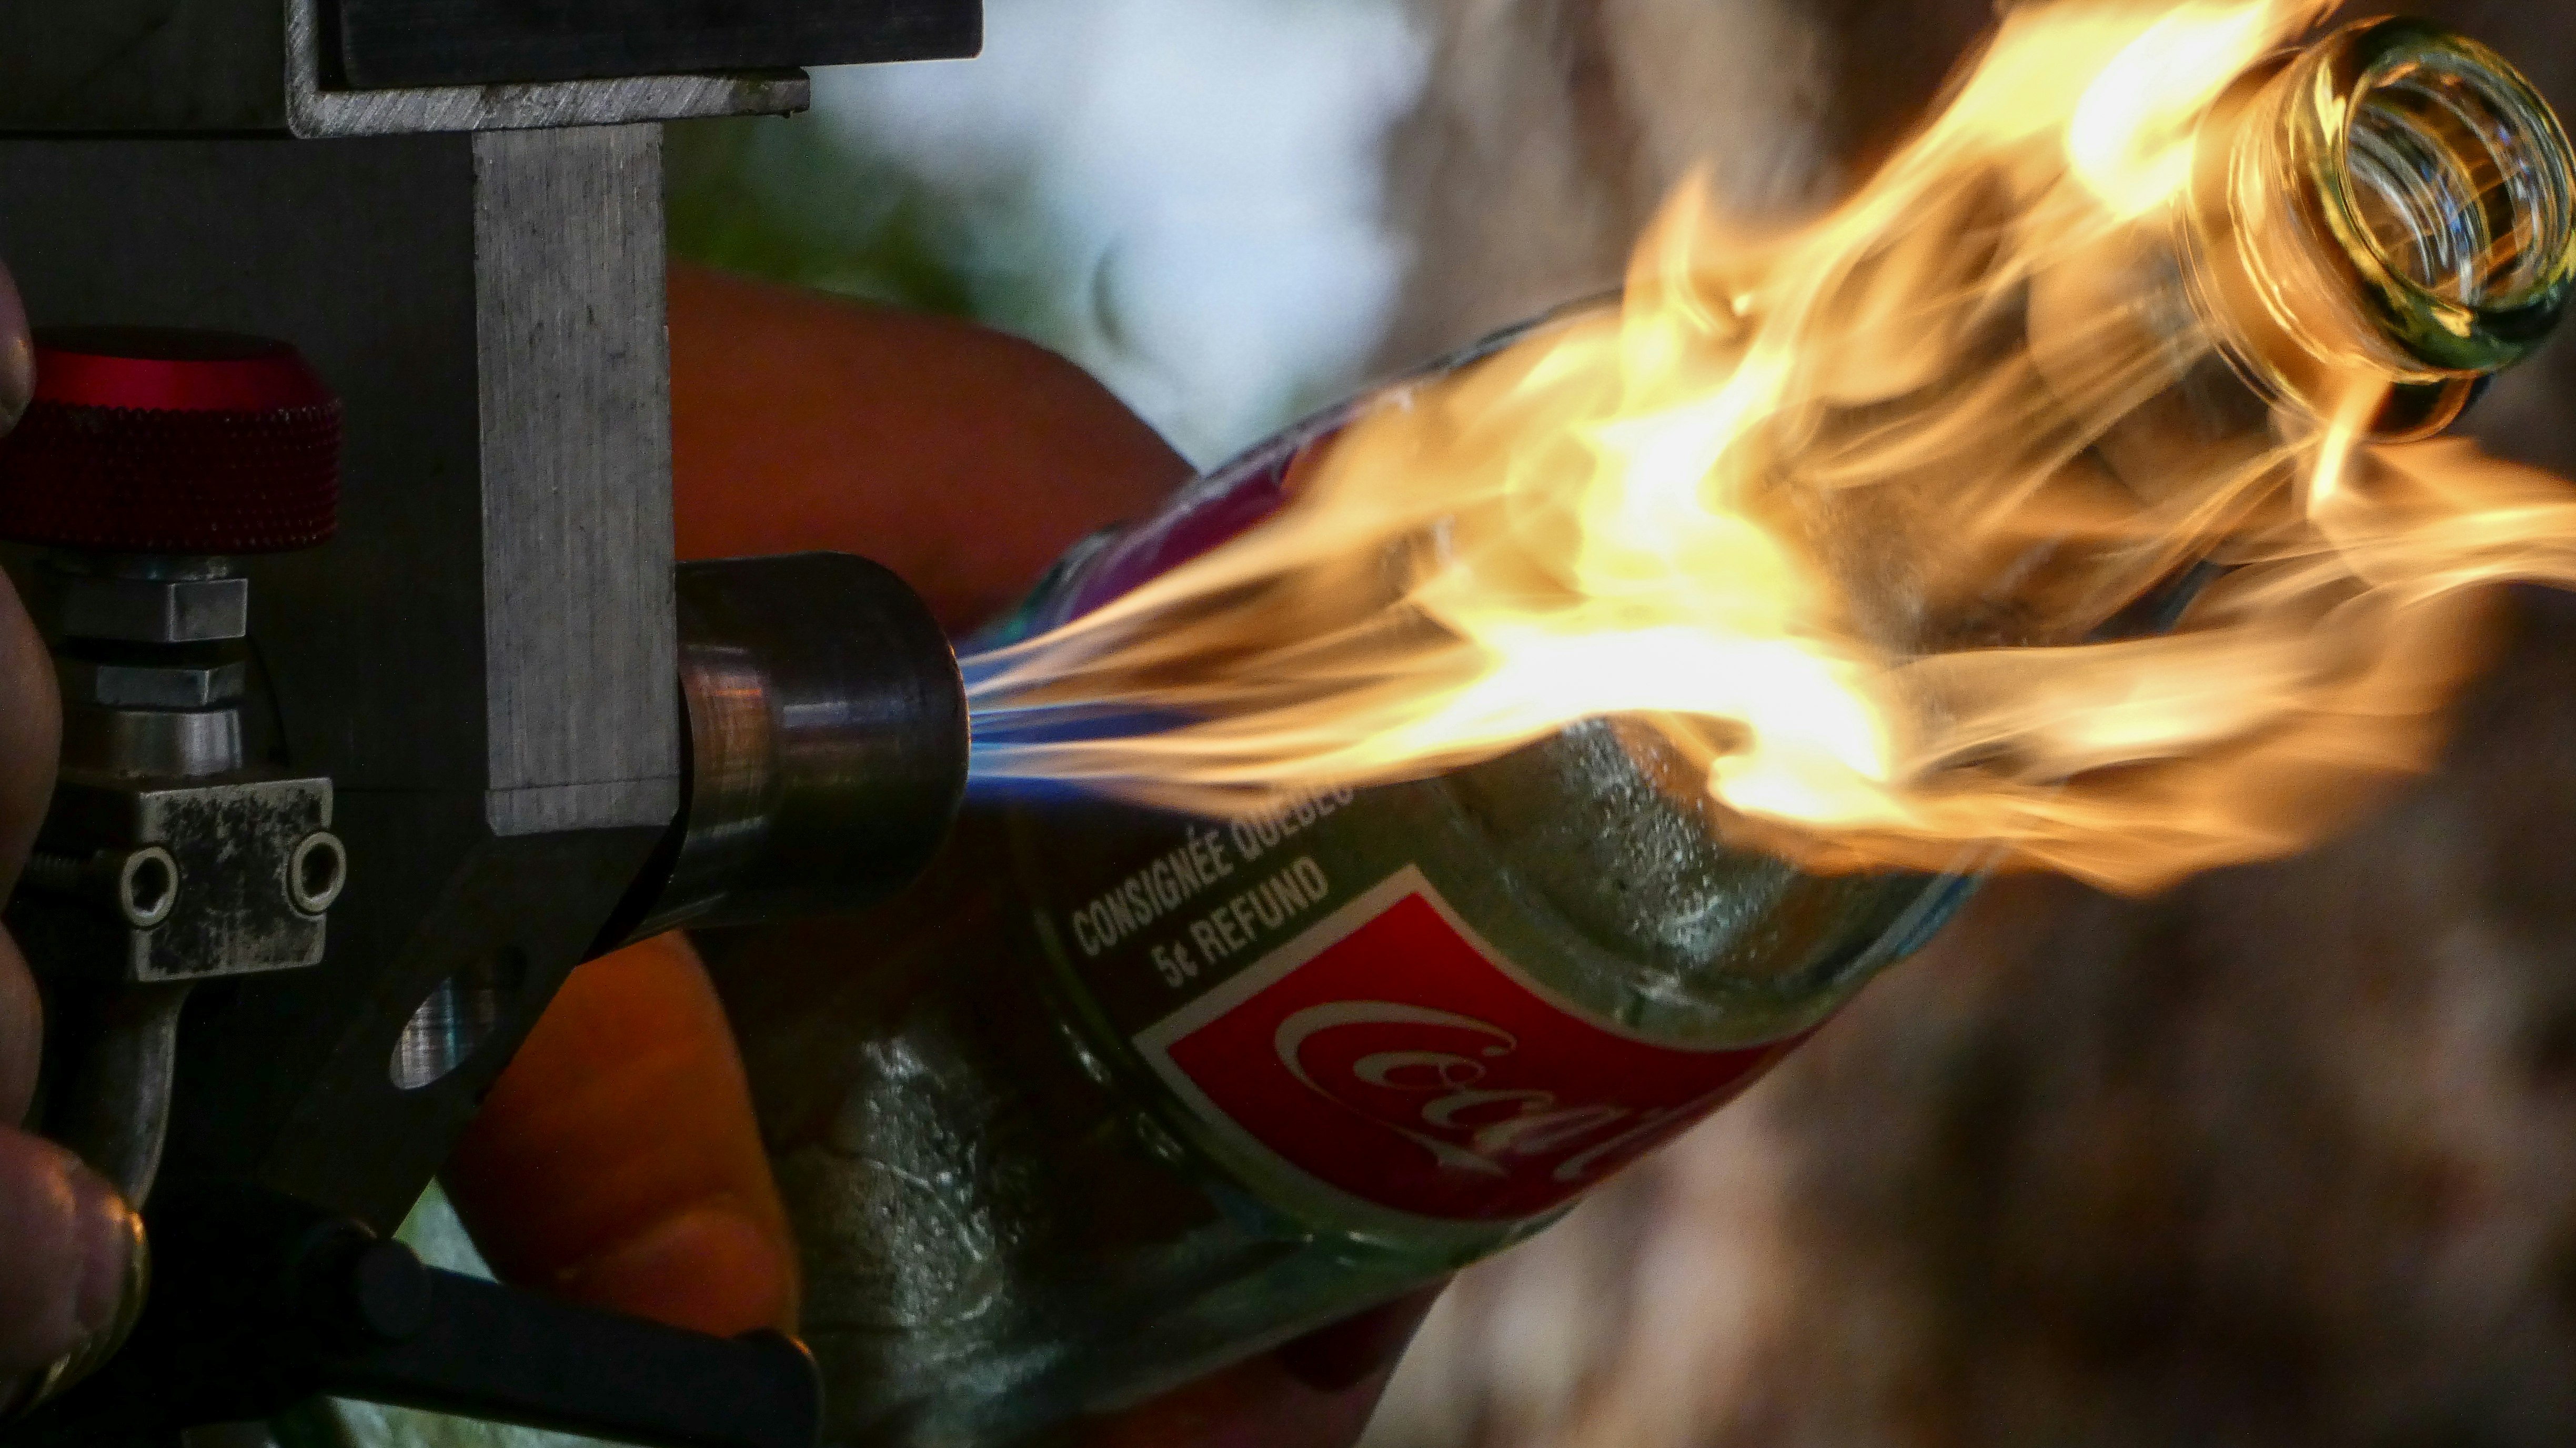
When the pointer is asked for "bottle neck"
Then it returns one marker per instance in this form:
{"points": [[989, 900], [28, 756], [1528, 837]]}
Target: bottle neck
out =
{"points": [[2394, 206]]}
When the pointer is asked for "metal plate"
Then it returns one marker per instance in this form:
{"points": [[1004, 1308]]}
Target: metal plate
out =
{"points": [[234, 66], [477, 42]]}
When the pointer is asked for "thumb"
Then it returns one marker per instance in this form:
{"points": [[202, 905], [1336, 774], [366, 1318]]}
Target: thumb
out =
{"points": [[617, 1163]]}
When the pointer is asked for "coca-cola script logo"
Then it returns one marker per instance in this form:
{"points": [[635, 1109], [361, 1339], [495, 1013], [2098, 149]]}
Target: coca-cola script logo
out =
{"points": [[1391, 1056]]}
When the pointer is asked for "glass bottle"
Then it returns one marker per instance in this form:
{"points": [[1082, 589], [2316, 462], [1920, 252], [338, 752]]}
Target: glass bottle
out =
{"points": [[1113, 1097]]}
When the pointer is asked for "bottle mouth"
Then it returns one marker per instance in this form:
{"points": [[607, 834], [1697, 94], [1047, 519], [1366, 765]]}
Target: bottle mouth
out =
{"points": [[2446, 183], [2394, 205]]}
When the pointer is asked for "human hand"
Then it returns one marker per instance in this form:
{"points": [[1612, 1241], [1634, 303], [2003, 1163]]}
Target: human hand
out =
{"points": [[616, 1161], [66, 1237]]}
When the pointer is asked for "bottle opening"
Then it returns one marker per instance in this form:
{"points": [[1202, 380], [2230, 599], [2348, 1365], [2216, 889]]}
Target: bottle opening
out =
{"points": [[2449, 180], [2395, 204]]}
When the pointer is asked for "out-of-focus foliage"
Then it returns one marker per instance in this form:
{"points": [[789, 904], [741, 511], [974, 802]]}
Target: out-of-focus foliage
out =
{"points": [[743, 196]]}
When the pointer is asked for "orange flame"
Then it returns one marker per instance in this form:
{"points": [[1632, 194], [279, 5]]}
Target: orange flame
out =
{"points": [[1844, 512]]}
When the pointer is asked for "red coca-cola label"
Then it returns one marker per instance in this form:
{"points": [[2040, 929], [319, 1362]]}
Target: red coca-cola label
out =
{"points": [[1390, 1055]]}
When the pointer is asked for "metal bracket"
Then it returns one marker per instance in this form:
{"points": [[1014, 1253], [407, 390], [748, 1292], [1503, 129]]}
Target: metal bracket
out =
{"points": [[106, 67]]}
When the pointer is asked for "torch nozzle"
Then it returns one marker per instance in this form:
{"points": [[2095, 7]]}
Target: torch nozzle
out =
{"points": [[825, 743]]}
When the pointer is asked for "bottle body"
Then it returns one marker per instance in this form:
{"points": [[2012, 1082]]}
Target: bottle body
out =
{"points": [[1115, 1096]]}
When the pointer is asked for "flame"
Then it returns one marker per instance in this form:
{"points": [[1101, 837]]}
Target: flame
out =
{"points": [[1851, 515]]}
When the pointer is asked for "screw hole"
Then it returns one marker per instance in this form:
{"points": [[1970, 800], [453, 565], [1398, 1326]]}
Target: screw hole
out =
{"points": [[147, 885], [316, 872]]}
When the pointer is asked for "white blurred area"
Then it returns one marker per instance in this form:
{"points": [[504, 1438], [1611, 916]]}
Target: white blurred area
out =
{"points": [[1182, 196]]}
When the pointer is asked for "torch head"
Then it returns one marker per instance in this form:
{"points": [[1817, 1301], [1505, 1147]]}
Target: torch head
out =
{"points": [[825, 743]]}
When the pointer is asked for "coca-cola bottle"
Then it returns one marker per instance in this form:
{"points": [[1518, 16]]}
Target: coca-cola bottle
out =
{"points": [[1116, 1095]]}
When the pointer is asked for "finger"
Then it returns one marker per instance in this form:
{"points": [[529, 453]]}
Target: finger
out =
{"points": [[22, 1026], [1315, 1392], [65, 1237], [17, 354], [962, 459], [31, 731], [31, 728], [616, 1162]]}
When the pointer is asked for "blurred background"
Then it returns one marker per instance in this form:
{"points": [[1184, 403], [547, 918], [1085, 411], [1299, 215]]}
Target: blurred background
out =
{"points": [[1182, 196], [2284, 1156]]}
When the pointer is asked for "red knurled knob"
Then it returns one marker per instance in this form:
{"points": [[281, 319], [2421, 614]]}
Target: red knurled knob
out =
{"points": [[155, 440]]}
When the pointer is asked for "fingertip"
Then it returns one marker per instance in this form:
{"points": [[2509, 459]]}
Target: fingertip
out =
{"points": [[73, 1242], [107, 1236]]}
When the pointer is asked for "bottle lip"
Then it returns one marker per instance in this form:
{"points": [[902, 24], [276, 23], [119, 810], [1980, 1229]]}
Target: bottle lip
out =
{"points": [[2333, 87]]}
